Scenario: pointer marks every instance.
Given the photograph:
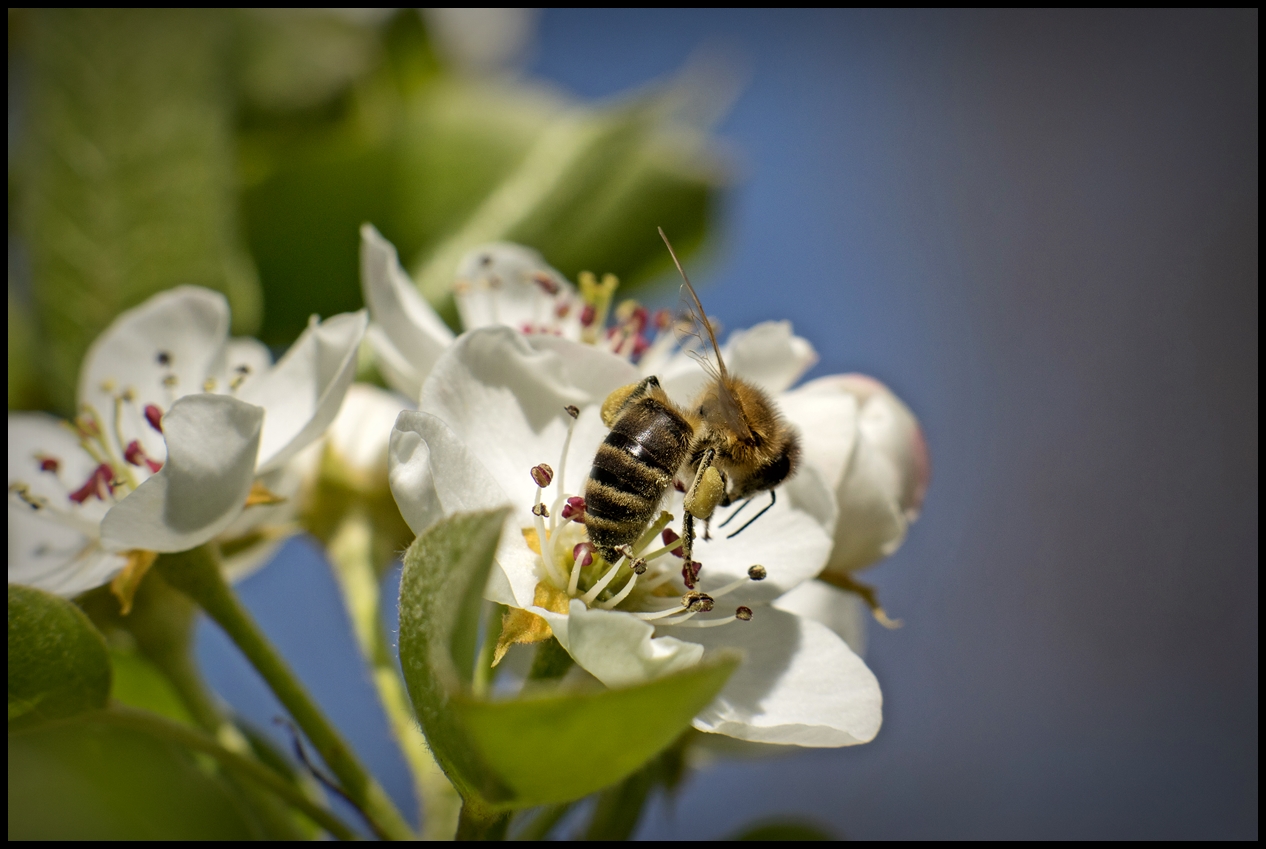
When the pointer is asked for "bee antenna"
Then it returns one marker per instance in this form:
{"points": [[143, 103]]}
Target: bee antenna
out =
{"points": [[703, 317]]}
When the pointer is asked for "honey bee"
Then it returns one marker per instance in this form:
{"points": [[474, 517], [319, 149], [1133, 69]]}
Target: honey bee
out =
{"points": [[732, 443]]}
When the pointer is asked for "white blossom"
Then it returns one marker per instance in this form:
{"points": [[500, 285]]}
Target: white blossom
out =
{"points": [[492, 409], [179, 427]]}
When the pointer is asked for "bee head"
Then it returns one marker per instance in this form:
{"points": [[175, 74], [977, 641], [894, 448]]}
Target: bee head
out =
{"points": [[775, 466]]}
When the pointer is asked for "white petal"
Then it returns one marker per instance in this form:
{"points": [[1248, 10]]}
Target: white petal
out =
{"points": [[178, 335], [53, 556], [395, 367], [799, 684], [616, 647], [359, 435], [303, 392], [245, 359], [503, 394], [826, 420], [495, 285], [433, 474], [212, 442], [769, 355], [842, 612], [409, 325]]}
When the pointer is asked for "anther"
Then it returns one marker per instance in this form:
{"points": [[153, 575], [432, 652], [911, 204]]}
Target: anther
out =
{"points": [[100, 484], [164, 358], [582, 553], [242, 369], [128, 395], [542, 474], [679, 486], [208, 385], [572, 410], [170, 381], [639, 567], [574, 509], [23, 492], [86, 424], [540, 510], [548, 284], [670, 536], [48, 464], [107, 385], [588, 315], [756, 573], [743, 614], [136, 455], [697, 602], [154, 416]]}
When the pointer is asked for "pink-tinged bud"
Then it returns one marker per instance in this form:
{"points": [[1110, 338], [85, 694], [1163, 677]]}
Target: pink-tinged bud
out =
{"points": [[588, 315], [690, 573], [48, 464], [670, 537], [548, 284], [154, 416], [542, 474], [574, 509], [663, 320], [583, 552], [100, 483]]}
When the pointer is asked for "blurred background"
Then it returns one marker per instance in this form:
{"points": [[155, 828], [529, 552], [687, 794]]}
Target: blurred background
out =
{"points": [[1040, 229]]}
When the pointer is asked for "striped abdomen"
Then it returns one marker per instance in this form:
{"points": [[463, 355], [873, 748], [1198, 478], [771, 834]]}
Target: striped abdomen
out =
{"points": [[633, 468]]}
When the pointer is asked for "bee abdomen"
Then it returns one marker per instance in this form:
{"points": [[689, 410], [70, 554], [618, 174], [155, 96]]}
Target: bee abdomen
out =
{"points": [[631, 472]]}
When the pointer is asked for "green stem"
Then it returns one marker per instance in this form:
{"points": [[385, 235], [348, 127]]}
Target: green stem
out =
{"points": [[197, 574], [480, 823], [351, 553], [157, 726]]}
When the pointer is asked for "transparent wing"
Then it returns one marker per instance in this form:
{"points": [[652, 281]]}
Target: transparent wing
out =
{"points": [[696, 335]]}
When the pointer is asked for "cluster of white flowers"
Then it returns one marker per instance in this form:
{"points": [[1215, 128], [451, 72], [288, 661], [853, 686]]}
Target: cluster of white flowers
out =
{"points": [[492, 426], [184, 435]]}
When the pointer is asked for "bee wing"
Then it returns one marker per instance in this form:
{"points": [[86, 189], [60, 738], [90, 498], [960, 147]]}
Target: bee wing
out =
{"points": [[696, 334]]}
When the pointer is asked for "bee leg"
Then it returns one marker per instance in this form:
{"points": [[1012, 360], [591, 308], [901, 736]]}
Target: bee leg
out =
{"points": [[702, 497], [625, 395]]}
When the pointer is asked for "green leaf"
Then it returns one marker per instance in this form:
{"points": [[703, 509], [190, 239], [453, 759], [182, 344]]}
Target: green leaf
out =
{"points": [[124, 175], [58, 663], [783, 829], [86, 781], [540, 749]]}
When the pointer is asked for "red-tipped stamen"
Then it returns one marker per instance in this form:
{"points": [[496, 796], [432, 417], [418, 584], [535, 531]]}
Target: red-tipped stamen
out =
{"points": [[574, 509], [670, 536], [154, 416], [100, 484]]}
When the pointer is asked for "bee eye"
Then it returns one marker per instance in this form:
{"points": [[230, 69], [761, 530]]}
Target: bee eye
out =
{"points": [[776, 471]]}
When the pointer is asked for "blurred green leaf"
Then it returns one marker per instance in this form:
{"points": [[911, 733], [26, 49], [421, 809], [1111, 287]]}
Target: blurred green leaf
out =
{"points": [[440, 163], [58, 663], [139, 683], [24, 390], [540, 749], [125, 173], [783, 829], [85, 781]]}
